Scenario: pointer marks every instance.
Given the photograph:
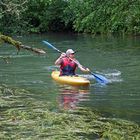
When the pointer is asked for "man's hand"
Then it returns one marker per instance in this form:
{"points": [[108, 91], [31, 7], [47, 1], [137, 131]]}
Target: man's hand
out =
{"points": [[62, 55], [87, 69]]}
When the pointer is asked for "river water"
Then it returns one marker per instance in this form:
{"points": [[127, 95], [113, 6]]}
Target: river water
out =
{"points": [[117, 58]]}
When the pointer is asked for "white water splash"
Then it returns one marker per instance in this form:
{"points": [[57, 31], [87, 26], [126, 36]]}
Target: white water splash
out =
{"points": [[51, 68], [113, 75]]}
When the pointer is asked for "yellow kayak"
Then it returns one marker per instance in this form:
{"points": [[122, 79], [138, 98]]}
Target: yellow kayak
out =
{"points": [[70, 80]]}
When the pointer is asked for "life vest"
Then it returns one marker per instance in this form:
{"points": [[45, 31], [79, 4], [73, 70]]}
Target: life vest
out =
{"points": [[67, 67]]}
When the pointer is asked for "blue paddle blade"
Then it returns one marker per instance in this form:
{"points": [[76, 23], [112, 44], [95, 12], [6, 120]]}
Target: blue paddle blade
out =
{"points": [[50, 45], [100, 79]]}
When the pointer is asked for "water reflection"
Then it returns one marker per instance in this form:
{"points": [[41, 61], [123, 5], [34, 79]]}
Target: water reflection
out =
{"points": [[70, 97]]}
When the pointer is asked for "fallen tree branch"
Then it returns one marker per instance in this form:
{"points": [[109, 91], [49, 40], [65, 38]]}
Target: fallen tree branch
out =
{"points": [[19, 45]]}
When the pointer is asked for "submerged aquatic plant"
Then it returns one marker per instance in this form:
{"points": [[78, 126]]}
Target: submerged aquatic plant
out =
{"points": [[25, 117]]}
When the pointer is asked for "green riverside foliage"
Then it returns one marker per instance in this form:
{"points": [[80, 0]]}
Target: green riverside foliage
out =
{"points": [[44, 15], [106, 16], [11, 16], [89, 16]]}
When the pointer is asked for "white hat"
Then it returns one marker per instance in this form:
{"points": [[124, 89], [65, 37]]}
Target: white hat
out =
{"points": [[69, 51]]}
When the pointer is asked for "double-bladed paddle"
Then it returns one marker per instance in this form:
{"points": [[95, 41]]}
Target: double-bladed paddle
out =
{"points": [[99, 78]]}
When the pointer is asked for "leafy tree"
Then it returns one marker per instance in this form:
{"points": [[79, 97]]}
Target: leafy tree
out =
{"points": [[89, 16], [44, 15], [106, 16], [11, 15]]}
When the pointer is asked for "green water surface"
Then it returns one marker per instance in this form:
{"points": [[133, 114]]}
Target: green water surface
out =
{"points": [[117, 58]]}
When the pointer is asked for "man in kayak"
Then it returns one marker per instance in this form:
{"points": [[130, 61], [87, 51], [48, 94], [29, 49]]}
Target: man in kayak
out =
{"points": [[68, 63]]}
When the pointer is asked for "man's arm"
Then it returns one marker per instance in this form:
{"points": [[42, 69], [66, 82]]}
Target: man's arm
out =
{"points": [[59, 60], [84, 69]]}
